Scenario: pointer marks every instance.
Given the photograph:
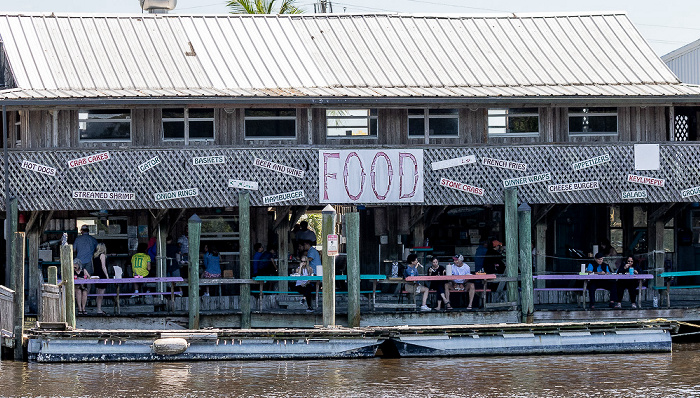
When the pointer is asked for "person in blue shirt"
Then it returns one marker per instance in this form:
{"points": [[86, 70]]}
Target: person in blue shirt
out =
{"points": [[313, 255], [212, 266], [480, 256], [84, 247], [415, 288], [600, 267]]}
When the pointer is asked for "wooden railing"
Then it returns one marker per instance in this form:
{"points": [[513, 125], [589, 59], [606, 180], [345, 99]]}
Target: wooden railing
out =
{"points": [[51, 304], [6, 314]]}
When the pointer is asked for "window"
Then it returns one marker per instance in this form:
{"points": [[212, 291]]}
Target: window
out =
{"points": [[17, 130], [514, 121], [270, 123], [439, 122], [351, 123], [593, 121], [105, 124], [188, 124]]}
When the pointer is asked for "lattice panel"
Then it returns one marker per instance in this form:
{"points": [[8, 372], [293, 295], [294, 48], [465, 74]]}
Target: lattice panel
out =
{"points": [[681, 128], [679, 168]]}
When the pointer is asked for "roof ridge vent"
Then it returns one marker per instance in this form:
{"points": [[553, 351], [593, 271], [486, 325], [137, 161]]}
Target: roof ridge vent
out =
{"points": [[158, 6]]}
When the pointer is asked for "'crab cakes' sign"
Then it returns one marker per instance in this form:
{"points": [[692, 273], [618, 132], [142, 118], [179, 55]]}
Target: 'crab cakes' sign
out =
{"points": [[88, 160]]}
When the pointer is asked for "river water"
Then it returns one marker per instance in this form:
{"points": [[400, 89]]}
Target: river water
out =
{"points": [[647, 375]]}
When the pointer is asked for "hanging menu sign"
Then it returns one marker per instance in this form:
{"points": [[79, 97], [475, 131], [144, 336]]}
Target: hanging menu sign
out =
{"points": [[103, 195], [573, 186], [88, 160], [504, 164], [444, 182], [180, 193], [208, 160], [444, 164], [38, 168], [513, 182], [686, 193], [646, 180], [252, 185], [280, 168], [591, 162], [149, 164], [283, 197], [634, 194]]}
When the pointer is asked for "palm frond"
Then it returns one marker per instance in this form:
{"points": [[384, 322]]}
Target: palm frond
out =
{"points": [[241, 7], [263, 7]]}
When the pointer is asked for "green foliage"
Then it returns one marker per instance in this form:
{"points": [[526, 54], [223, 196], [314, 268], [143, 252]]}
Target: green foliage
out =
{"points": [[315, 222], [263, 7]]}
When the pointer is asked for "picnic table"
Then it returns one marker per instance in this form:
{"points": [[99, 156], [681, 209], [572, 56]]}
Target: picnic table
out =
{"points": [[122, 281], [317, 280], [589, 277], [472, 277], [220, 282], [666, 287]]}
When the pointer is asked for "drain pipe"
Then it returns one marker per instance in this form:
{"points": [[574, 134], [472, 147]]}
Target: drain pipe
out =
{"points": [[8, 240]]}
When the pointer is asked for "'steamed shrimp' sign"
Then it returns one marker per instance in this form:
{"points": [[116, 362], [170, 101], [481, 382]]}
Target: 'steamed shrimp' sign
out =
{"points": [[370, 176]]}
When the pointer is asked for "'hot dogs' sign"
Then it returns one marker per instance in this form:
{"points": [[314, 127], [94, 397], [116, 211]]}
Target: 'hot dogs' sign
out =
{"points": [[371, 176]]}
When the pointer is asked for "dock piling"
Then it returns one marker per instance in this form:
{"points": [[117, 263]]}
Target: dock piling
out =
{"points": [[18, 309], [511, 204], [68, 283], [327, 228], [244, 257], [352, 226], [525, 236], [194, 230]]}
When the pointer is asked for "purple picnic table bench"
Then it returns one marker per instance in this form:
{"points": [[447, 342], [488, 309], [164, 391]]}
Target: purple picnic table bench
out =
{"points": [[122, 281], [588, 277]]}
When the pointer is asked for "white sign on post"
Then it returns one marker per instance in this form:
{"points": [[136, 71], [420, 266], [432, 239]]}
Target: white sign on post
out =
{"points": [[332, 245], [371, 176], [251, 185]]}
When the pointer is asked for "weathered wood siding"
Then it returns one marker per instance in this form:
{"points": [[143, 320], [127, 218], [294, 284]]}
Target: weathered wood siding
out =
{"points": [[51, 304], [6, 317]]}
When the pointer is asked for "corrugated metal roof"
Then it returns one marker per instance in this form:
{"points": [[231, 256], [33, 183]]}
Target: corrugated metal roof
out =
{"points": [[96, 56], [685, 62]]}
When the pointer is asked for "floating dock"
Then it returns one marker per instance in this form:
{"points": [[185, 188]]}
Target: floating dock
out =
{"points": [[50, 344]]}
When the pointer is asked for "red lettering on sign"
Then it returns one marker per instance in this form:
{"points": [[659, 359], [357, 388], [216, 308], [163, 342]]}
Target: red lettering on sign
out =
{"points": [[373, 174], [326, 175], [402, 156], [346, 173]]}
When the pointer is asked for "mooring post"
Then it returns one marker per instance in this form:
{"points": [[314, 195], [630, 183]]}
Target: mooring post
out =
{"points": [[68, 283], [12, 225], [526, 290], [328, 228], [194, 231], [511, 204], [18, 310], [53, 275], [352, 226], [244, 257], [35, 277]]}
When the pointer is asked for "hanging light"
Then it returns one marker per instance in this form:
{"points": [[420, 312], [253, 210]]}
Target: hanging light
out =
{"points": [[21, 219]]}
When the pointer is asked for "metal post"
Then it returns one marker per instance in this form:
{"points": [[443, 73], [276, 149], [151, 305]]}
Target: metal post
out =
{"points": [[327, 228], [244, 257], [511, 204], [68, 283], [525, 234], [194, 230], [352, 226], [18, 310]]}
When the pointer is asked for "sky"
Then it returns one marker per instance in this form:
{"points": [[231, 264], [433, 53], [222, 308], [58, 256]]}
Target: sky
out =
{"points": [[666, 25]]}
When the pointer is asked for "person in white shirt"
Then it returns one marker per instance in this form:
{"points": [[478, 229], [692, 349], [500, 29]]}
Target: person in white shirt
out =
{"points": [[458, 285]]}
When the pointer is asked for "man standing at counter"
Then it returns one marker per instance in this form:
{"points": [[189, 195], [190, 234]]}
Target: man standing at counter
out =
{"points": [[84, 247]]}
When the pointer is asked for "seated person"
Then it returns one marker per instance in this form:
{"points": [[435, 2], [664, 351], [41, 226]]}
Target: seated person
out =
{"points": [[415, 288], [629, 266], [599, 267], [304, 287], [459, 268], [212, 266], [440, 286], [140, 264]]}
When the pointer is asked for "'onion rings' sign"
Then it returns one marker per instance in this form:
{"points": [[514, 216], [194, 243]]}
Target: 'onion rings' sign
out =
{"points": [[371, 176]]}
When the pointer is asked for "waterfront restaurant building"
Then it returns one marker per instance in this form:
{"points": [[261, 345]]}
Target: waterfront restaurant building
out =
{"points": [[129, 123]]}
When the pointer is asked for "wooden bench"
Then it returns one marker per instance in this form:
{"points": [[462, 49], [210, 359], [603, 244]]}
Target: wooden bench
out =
{"points": [[122, 281], [446, 278], [568, 289], [668, 276]]}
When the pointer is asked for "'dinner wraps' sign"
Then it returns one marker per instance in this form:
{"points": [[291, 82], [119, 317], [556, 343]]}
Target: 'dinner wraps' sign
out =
{"points": [[370, 175]]}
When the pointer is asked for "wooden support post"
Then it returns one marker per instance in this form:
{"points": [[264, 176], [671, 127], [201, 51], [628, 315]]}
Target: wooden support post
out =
{"points": [[160, 254], [194, 229], [53, 275], [35, 276], [525, 245], [352, 226], [18, 309], [68, 285], [541, 245], [244, 257], [283, 246], [511, 204], [659, 253], [327, 228], [9, 234]]}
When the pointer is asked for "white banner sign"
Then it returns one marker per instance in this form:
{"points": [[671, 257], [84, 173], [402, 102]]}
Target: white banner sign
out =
{"points": [[371, 176], [573, 186], [103, 195], [444, 182], [591, 162], [283, 197], [646, 180], [514, 182], [180, 193], [504, 164], [88, 160], [252, 185], [280, 168], [444, 164], [208, 160], [686, 193], [39, 168], [149, 164], [634, 194]]}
